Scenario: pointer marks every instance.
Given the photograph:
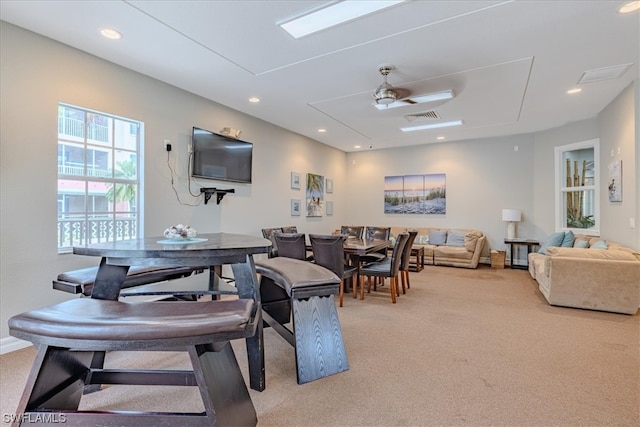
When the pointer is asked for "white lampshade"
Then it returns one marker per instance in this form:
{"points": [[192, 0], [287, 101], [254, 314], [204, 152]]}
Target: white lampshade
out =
{"points": [[511, 215]]}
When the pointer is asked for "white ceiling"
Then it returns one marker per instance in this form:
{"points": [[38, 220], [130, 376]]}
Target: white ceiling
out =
{"points": [[509, 63]]}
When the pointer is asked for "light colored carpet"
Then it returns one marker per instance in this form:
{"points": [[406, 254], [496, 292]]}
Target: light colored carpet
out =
{"points": [[462, 347]]}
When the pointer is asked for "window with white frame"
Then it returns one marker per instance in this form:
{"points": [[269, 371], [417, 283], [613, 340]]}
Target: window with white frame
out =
{"points": [[99, 177], [577, 182]]}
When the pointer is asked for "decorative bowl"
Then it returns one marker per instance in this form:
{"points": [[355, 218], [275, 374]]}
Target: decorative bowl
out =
{"points": [[180, 232]]}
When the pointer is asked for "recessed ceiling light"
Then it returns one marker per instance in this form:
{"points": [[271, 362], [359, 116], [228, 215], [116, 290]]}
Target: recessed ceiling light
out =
{"points": [[574, 91], [429, 97], [432, 126], [321, 130], [440, 138], [111, 34], [356, 146], [336, 13], [254, 99], [632, 6]]}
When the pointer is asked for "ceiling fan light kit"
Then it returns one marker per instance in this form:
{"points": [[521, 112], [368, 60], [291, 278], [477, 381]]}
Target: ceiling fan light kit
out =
{"points": [[385, 94]]}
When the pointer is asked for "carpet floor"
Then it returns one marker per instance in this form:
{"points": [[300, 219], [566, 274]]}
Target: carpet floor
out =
{"points": [[461, 348]]}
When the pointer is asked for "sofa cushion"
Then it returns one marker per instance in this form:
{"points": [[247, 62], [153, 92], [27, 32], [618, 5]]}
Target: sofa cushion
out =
{"points": [[554, 240], [600, 244], [591, 253], [456, 238], [471, 240], [584, 244], [567, 240], [437, 237]]}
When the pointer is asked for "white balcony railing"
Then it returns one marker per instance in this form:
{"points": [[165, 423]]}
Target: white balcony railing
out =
{"points": [[73, 232]]}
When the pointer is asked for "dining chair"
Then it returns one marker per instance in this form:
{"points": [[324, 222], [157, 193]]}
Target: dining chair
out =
{"points": [[291, 245], [268, 233], [352, 231], [388, 267], [328, 252], [406, 257], [376, 233]]}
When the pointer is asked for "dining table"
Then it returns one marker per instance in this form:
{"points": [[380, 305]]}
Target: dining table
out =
{"points": [[355, 248], [213, 250]]}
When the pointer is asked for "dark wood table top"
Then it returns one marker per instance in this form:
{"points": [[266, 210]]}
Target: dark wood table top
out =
{"points": [[217, 249], [364, 246]]}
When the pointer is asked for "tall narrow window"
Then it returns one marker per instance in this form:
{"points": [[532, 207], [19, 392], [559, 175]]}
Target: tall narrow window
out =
{"points": [[99, 177], [577, 183]]}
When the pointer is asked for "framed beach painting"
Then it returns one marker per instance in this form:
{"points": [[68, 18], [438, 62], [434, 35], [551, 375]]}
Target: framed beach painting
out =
{"points": [[315, 195], [415, 194], [615, 181]]}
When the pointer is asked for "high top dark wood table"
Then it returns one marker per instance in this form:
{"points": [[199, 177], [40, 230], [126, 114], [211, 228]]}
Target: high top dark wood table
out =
{"points": [[213, 250]]}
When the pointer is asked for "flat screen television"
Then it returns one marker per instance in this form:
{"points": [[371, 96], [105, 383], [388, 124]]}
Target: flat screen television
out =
{"points": [[219, 157]]}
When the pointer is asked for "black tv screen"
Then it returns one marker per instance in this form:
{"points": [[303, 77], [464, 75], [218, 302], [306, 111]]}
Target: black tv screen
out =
{"points": [[219, 157]]}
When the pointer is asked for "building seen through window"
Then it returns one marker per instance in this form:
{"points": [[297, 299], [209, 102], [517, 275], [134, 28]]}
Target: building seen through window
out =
{"points": [[98, 177]]}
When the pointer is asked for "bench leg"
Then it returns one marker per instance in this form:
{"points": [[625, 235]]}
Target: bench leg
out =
{"points": [[319, 345], [56, 381], [226, 399]]}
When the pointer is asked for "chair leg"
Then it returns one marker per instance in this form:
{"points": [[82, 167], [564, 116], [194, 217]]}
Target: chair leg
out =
{"points": [[403, 278], [355, 285], [393, 287], [406, 273], [341, 291]]}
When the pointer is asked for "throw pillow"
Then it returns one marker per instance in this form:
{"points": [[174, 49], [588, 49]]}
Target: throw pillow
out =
{"points": [[455, 238], [583, 244], [600, 244], [422, 239], [471, 240], [437, 237], [554, 240], [567, 240]]}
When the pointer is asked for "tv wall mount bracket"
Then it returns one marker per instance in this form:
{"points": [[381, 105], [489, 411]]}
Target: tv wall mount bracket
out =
{"points": [[210, 191]]}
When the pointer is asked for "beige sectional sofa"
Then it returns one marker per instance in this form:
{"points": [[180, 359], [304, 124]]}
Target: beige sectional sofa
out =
{"points": [[454, 247], [589, 278]]}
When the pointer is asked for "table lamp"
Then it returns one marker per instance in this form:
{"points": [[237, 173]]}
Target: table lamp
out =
{"points": [[511, 216]]}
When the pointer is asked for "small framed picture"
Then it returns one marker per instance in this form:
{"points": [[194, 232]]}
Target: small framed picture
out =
{"points": [[296, 207], [295, 180], [329, 207], [329, 185]]}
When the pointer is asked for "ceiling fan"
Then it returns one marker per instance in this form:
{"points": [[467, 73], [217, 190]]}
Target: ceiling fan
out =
{"points": [[386, 94]]}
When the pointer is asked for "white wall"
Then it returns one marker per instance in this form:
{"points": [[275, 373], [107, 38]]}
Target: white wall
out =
{"points": [[37, 73], [618, 142], [482, 177]]}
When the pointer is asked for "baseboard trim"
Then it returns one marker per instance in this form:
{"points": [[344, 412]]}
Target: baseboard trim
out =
{"points": [[7, 345]]}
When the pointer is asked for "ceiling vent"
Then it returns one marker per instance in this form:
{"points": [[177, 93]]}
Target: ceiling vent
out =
{"points": [[607, 73], [428, 115]]}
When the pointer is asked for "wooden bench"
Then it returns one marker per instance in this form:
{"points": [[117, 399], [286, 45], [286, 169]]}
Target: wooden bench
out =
{"points": [[81, 281], [68, 334], [303, 292]]}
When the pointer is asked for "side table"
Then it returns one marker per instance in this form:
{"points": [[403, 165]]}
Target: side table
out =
{"points": [[520, 242], [418, 252]]}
